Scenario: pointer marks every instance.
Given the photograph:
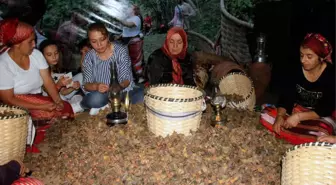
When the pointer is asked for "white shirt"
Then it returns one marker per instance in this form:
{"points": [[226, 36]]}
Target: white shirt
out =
{"points": [[23, 81], [133, 31]]}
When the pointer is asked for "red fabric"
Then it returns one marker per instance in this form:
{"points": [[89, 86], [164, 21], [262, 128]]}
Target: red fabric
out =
{"points": [[319, 45], [297, 135], [27, 181], [12, 32], [46, 115], [177, 71], [135, 48], [32, 149], [41, 128], [43, 119], [148, 21]]}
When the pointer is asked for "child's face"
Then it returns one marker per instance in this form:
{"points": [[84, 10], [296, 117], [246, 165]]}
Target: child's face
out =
{"points": [[51, 54]]}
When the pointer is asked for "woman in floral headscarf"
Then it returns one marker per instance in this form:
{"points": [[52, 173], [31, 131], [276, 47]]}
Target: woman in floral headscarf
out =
{"points": [[23, 71], [171, 63], [310, 94]]}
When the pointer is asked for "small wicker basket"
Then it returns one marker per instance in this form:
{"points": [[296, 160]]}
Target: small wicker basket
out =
{"points": [[173, 108], [310, 163], [13, 132], [240, 84]]}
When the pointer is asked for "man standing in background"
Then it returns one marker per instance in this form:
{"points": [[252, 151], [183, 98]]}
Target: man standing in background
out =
{"points": [[147, 24]]}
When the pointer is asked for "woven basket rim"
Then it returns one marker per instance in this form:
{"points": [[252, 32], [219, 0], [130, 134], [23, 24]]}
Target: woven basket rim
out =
{"points": [[243, 74], [202, 37], [233, 18], [174, 99], [16, 115], [320, 144]]}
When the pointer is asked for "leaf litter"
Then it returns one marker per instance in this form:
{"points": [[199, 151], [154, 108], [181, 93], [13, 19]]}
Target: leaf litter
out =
{"points": [[88, 152]]}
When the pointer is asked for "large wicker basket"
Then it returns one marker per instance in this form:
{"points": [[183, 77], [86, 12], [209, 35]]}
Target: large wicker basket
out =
{"points": [[173, 108], [200, 42], [13, 132], [310, 163], [240, 84], [233, 36]]}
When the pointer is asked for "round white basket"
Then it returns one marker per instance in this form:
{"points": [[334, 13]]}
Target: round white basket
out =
{"points": [[309, 163], [173, 108]]}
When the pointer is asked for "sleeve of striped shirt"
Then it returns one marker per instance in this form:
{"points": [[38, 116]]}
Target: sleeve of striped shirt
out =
{"points": [[87, 68], [125, 68]]}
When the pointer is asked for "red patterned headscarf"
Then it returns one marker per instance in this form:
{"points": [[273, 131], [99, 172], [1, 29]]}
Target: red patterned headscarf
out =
{"points": [[319, 45], [12, 32], [177, 71]]}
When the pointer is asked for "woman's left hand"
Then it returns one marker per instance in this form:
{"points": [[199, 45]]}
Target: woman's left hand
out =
{"points": [[76, 85], [59, 105], [292, 121]]}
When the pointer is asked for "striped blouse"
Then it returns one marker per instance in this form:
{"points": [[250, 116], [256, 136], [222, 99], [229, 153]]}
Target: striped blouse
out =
{"points": [[96, 70]]}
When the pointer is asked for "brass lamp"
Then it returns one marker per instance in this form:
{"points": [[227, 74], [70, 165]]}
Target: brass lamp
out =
{"points": [[116, 116], [218, 102]]}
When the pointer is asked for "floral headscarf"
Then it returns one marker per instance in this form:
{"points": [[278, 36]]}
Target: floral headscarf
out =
{"points": [[12, 32], [319, 45]]}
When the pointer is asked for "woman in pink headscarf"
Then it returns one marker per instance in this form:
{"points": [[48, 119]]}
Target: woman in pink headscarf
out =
{"points": [[23, 71], [306, 108]]}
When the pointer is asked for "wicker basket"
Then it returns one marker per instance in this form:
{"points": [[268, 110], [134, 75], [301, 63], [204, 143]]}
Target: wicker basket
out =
{"points": [[13, 132], [200, 42], [309, 163], [233, 36], [172, 107], [240, 84]]}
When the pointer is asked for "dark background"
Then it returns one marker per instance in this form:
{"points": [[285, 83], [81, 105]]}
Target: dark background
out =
{"points": [[286, 23]]}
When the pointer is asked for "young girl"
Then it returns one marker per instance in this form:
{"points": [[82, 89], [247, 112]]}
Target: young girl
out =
{"points": [[97, 74], [51, 53], [308, 102]]}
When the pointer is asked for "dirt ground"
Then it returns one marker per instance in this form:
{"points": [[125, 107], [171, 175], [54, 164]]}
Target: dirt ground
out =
{"points": [[86, 151]]}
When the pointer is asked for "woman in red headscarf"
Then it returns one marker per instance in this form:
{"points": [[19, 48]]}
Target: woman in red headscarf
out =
{"points": [[23, 71], [307, 105], [171, 63]]}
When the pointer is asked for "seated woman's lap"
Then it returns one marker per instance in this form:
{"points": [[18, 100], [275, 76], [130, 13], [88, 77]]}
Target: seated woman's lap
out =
{"points": [[297, 135], [46, 115], [136, 95], [94, 99]]}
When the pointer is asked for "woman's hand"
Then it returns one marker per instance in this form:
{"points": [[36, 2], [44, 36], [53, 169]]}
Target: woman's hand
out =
{"points": [[63, 81], [279, 122], [48, 107], [102, 88], [328, 139], [23, 168], [292, 121], [59, 105], [76, 85]]}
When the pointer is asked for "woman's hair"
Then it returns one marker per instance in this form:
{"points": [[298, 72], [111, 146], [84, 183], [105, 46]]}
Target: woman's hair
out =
{"points": [[98, 26], [47, 43], [84, 43], [136, 10], [58, 67]]}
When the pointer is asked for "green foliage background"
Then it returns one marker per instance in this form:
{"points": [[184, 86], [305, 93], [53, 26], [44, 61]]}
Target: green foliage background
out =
{"points": [[207, 21]]}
